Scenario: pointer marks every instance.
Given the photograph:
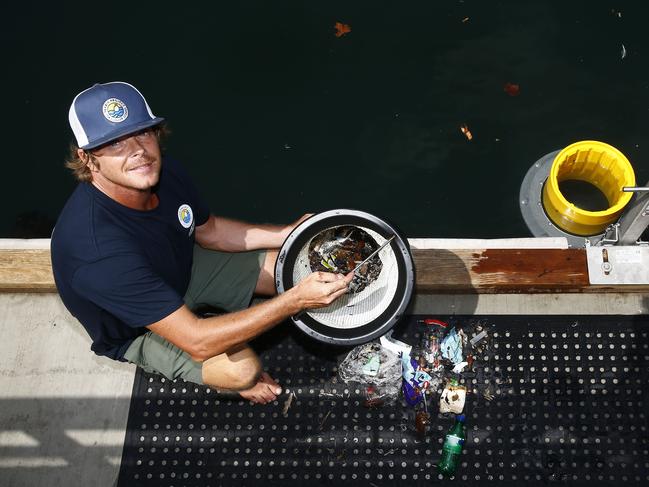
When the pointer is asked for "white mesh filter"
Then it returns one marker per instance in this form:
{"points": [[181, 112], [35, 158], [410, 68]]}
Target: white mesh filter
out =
{"points": [[357, 309]]}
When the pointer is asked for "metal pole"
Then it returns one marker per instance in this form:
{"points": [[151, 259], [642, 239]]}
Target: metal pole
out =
{"points": [[634, 189]]}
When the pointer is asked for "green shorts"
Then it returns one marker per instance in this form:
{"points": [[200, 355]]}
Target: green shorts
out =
{"points": [[221, 280]]}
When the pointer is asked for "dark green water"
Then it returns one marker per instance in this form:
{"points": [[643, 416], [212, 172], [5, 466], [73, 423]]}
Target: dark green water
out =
{"points": [[275, 116]]}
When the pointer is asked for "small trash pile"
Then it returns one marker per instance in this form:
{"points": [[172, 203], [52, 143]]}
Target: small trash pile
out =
{"points": [[443, 355], [431, 375]]}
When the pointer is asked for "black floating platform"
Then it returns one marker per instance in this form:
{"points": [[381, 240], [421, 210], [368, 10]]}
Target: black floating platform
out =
{"points": [[568, 405]]}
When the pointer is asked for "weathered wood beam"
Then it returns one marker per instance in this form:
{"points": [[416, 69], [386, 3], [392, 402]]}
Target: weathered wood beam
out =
{"points": [[26, 271], [437, 271], [501, 271]]}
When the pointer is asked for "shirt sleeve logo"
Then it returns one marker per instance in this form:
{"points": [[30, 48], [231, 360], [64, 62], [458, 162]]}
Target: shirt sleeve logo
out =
{"points": [[185, 215], [115, 110]]}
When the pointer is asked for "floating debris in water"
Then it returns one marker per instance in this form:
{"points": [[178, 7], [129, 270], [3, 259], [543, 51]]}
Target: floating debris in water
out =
{"points": [[342, 29], [464, 128], [623, 52], [465, 20], [341, 249], [512, 89]]}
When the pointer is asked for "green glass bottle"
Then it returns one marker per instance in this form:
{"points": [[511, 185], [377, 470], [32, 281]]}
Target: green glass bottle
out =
{"points": [[452, 448]]}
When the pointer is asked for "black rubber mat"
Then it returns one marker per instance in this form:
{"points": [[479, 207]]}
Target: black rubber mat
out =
{"points": [[554, 400]]}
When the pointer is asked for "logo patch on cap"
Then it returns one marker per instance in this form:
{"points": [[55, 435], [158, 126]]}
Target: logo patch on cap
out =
{"points": [[115, 110], [185, 215]]}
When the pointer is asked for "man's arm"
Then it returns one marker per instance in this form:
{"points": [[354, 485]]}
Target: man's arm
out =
{"points": [[227, 235], [206, 338]]}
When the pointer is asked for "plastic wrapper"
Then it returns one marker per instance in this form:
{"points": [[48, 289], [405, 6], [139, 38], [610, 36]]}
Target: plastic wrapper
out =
{"points": [[377, 369]]}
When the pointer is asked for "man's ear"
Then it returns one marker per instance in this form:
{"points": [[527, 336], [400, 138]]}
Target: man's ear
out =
{"points": [[85, 157]]}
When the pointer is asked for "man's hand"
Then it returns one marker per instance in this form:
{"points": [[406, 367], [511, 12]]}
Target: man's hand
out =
{"points": [[320, 289]]}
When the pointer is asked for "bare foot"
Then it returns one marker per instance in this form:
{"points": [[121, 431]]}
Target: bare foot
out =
{"points": [[264, 391]]}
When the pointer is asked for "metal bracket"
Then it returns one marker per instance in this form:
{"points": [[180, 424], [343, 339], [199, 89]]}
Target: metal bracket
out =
{"points": [[618, 264], [607, 239]]}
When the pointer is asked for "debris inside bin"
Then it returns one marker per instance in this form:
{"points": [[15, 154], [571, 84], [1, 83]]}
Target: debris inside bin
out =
{"points": [[341, 249]]}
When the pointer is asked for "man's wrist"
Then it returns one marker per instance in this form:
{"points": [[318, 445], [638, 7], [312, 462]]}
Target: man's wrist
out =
{"points": [[293, 302]]}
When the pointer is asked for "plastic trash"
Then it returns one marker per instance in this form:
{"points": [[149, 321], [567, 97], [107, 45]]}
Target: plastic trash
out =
{"points": [[377, 369]]}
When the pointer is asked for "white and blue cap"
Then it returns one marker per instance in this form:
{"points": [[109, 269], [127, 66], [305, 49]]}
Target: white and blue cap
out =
{"points": [[105, 112]]}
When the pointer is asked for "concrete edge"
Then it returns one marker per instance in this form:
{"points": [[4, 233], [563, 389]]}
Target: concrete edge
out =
{"points": [[417, 243]]}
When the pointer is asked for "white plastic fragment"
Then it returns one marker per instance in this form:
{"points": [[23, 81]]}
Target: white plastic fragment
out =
{"points": [[478, 337], [452, 400], [460, 367], [395, 346]]}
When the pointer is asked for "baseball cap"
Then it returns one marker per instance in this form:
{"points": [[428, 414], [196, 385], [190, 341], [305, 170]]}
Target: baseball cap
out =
{"points": [[105, 112]]}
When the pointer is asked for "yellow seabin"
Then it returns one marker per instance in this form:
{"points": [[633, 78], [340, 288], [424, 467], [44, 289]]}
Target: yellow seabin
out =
{"points": [[596, 163]]}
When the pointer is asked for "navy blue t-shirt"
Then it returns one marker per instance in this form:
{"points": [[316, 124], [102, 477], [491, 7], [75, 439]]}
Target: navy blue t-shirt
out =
{"points": [[117, 269]]}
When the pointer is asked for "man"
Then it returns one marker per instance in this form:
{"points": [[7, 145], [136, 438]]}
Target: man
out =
{"points": [[127, 266]]}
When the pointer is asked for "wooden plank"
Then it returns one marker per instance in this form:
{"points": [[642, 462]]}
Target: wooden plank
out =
{"points": [[437, 271], [26, 271]]}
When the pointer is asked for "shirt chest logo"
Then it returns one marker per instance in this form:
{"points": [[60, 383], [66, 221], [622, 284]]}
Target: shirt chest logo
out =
{"points": [[185, 215]]}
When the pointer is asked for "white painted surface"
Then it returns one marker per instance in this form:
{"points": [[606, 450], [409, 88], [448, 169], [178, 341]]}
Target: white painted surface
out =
{"points": [[532, 304], [24, 243], [418, 243], [492, 243]]}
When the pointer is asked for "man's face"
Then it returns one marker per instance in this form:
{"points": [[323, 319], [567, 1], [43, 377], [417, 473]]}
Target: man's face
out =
{"points": [[131, 162]]}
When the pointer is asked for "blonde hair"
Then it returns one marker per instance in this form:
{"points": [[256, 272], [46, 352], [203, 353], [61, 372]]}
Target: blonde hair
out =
{"points": [[79, 166]]}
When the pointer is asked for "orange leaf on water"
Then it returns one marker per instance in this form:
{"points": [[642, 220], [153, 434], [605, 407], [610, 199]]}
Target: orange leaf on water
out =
{"points": [[342, 29], [512, 89], [464, 128]]}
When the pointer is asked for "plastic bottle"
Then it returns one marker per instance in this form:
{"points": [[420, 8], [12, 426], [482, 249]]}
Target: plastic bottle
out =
{"points": [[452, 448]]}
